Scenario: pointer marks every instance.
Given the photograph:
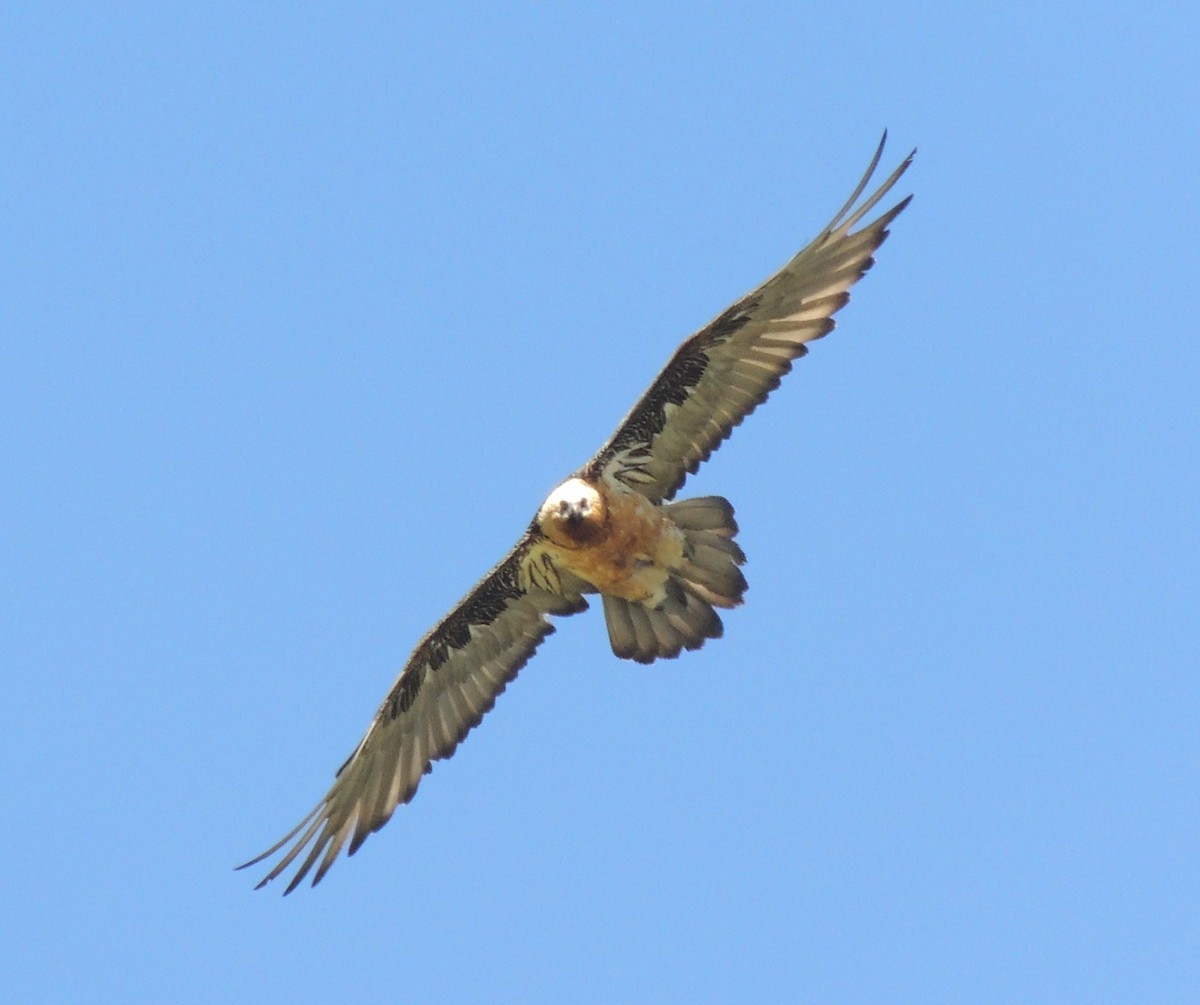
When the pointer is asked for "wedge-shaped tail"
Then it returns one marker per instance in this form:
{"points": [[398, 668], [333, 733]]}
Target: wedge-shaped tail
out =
{"points": [[708, 577]]}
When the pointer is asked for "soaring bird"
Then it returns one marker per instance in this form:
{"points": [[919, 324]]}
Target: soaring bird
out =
{"points": [[662, 568]]}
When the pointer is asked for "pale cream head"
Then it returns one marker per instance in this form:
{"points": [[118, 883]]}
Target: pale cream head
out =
{"points": [[573, 515]]}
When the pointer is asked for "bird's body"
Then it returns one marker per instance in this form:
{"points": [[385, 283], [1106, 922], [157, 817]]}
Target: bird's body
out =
{"points": [[621, 545], [661, 567]]}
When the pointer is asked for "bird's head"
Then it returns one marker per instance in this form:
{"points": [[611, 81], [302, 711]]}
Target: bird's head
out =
{"points": [[573, 514]]}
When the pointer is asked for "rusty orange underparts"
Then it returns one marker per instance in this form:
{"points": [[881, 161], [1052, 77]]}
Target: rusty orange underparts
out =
{"points": [[634, 554]]}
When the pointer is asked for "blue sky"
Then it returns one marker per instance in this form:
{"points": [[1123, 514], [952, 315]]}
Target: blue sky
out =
{"points": [[304, 311]]}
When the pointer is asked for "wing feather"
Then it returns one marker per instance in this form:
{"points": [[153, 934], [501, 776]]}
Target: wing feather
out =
{"points": [[728, 368], [450, 682]]}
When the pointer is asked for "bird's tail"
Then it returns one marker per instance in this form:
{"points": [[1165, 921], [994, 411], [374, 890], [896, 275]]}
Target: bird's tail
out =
{"points": [[708, 577]]}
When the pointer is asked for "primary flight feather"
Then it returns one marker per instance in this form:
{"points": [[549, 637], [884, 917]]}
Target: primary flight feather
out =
{"points": [[661, 568]]}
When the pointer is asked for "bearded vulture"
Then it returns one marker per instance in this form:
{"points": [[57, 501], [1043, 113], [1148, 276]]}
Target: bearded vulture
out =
{"points": [[662, 567]]}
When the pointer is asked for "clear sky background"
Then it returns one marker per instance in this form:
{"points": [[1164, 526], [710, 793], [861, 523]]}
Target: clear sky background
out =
{"points": [[305, 310]]}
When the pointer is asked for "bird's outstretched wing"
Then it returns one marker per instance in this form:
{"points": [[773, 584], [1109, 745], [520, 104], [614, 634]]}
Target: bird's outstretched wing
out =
{"points": [[724, 371], [449, 683]]}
